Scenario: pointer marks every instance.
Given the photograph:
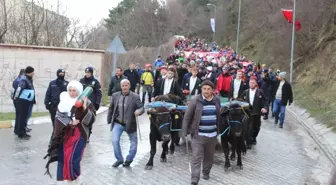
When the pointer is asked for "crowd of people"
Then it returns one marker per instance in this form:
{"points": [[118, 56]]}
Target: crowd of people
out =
{"points": [[196, 69], [210, 73]]}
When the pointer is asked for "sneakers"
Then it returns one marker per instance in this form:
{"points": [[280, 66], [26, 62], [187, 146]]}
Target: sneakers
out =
{"points": [[117, 163]]}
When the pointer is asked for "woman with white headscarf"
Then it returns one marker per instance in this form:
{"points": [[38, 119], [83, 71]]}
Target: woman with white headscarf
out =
{"points": [[71, 133]]}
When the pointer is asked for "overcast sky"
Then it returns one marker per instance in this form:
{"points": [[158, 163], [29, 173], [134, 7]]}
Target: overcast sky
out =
{"points": [[88, 11]]}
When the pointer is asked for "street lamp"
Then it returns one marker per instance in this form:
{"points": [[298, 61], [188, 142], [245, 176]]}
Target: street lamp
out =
{"points": [[238, 28], [213, 37]]}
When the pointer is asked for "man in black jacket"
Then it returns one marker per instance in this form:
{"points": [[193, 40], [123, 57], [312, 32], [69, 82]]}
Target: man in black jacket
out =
{"points": [[283, 96], [115, 82], [238, 86], [256, 98], [168, 85], [133, 76]]}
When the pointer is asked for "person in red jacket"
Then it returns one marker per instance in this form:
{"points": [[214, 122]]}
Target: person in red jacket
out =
{"points": [[223, 84]]}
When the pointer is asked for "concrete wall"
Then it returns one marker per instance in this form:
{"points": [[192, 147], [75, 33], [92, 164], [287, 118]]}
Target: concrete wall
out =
{"points": [[45, 60]]}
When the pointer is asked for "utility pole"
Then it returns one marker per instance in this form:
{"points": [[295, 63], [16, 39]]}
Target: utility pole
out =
{"points": [[293, 41], [238, 28]]}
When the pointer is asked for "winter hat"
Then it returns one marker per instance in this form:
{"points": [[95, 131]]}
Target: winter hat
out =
{"points": [[283, 74], [59, 71], [254, 78], [209, 83], [89, 70], [29, 69]]}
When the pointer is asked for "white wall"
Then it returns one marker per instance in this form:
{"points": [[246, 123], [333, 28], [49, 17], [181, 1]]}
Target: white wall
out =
{"points": [[45, 61]]}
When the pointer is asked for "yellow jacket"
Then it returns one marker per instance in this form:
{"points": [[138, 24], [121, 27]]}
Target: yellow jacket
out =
{"points": [[147, 77]]}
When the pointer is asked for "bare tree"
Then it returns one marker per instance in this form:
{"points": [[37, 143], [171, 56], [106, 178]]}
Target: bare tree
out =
{"points": [[4, 20], [34, 15]]}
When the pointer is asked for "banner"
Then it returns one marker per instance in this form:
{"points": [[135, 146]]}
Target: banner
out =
{"points": [[212, 22]]}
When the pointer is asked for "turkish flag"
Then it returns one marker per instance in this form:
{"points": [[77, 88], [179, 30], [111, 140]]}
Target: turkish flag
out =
{"points": [[288, 14]]}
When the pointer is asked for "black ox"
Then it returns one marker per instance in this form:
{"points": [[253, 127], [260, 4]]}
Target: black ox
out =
{"points": [[164, 126], [233, 129]]}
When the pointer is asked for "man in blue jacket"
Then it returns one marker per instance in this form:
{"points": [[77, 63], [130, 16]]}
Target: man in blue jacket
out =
{"points": [[14, 87], [24, 97], [52, 97]]}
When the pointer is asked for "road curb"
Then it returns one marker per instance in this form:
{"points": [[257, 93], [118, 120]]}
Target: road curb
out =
{"points": [[325, 147], [39, 120]]}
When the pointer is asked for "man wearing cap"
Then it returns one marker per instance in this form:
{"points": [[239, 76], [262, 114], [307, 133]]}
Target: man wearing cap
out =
{"points": [[158, 62], [52, 97], [283, 97], [147, 82], [160, 74], [89, 81], [200, 120], [258, 106], [210, 75], [24, 96]]}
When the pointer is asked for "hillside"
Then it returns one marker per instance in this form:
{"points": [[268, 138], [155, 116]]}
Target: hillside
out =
{"points": [[266, 37]]}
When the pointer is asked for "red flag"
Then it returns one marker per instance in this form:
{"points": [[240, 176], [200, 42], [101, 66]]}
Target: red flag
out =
{"points": [[288, 14], [298, 25]]}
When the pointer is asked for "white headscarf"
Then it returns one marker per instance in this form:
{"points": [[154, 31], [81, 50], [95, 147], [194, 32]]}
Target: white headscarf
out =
{"points": [[66, 102]]}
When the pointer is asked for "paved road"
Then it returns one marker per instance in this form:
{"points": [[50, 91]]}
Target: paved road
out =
{"points": [[282, 156]]}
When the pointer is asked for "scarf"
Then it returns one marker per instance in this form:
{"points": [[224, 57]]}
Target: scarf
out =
{"points": [[66, 101]]}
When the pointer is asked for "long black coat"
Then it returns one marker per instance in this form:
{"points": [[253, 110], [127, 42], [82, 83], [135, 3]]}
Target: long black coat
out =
{"points": [[259, 101], [133, 77]]}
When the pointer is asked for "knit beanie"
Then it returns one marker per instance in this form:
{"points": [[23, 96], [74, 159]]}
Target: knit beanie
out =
{"points": [[29, 69]]}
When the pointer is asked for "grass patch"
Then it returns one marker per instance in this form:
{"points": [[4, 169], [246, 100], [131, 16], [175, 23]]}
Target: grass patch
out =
{"points": [[318, 105], [11, 115]]}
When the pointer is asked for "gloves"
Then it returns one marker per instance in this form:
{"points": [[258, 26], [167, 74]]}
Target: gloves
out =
{"points": [[96, 106], [47, 106]]}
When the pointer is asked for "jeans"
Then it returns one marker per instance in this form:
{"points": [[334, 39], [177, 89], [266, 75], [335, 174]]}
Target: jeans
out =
{"points": [[116, 133], [279, 111], [146, 89]]}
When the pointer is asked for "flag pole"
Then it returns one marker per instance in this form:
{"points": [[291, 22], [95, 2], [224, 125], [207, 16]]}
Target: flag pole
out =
{"points": [[293, 39], [238, 27]]}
